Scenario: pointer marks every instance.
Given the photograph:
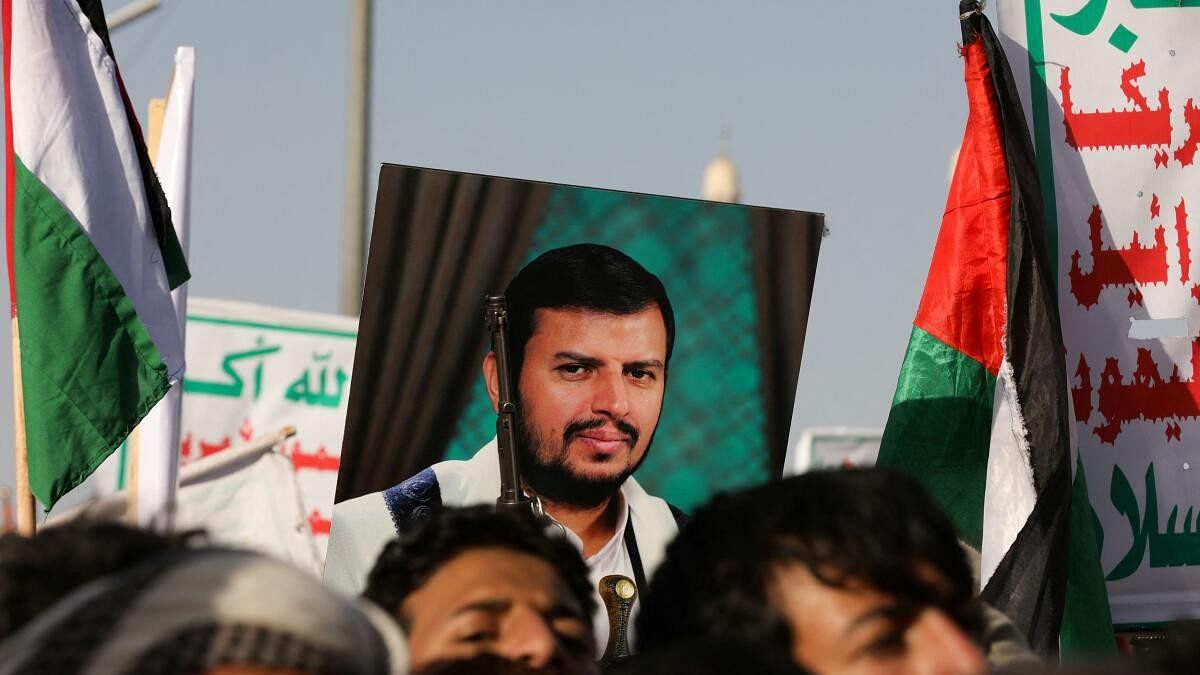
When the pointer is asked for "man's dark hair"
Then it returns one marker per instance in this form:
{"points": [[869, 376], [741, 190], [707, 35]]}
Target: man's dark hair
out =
{"points": [[876, 527], [36, 572], [408, 561], [584, 276]]}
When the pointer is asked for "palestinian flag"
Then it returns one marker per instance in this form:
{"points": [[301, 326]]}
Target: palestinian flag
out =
{"points": [[92, 256], [981, 414]]}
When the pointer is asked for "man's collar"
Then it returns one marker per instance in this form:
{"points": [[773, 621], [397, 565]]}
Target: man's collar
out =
{"points": [[618, 534]]}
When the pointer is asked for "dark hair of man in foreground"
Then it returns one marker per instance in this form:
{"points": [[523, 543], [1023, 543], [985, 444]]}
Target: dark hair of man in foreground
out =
{"points": [[456, 580], [726, 574]]}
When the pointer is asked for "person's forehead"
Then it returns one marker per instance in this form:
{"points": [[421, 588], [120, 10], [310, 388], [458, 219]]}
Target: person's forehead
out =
{"points": [[804, 598], [490, 574], [644, 329]]}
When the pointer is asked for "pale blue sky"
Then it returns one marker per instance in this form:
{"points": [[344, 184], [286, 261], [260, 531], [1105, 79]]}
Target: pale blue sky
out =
{"points": [[849, 108]]}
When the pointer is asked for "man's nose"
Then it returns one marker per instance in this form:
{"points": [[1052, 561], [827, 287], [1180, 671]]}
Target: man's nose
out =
{"points": [[528, 638], [939, 647], [610, 395]]}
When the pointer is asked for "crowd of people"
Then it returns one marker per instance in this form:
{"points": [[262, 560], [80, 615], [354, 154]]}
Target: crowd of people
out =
{"points": [[855, 571], [852, 571]]}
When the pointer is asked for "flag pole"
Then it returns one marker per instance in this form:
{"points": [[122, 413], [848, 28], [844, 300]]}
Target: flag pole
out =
{"points": [[156, 111], [26, 523]]}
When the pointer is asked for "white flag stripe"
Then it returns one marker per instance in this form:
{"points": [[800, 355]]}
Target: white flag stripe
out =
{"points": [[88, 161], [1009, 494]]}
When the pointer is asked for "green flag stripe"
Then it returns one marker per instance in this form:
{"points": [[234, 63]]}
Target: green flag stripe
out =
{"points": [[90, 370], [1087, 618], [940, 426]]}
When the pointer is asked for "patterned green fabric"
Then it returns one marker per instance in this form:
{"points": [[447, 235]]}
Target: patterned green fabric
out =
{"points": [[712, 433]]}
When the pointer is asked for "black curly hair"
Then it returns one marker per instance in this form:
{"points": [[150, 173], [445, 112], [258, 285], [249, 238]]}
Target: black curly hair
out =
{"points": [[591, 277], [408, 561], [873, 526]]}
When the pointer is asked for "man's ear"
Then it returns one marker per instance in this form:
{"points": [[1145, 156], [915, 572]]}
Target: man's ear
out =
{"points": [[492, 380]]}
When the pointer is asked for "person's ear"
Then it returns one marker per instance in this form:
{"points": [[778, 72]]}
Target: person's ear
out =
{"points": [[491, 378]]}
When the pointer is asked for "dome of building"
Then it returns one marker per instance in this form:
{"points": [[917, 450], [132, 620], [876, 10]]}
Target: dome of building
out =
{"points": [[721, 180]]}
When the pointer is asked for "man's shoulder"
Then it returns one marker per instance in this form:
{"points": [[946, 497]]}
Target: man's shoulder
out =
{"points": [[404, 503], [360, 529], [413, 499], [641, 500], [447, 483]]}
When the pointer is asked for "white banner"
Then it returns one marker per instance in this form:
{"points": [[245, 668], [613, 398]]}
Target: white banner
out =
{"points": [[253, 370], [1110, 91]]}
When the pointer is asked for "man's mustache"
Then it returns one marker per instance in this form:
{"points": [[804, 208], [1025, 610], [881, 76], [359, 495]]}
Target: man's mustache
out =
{"points": [[577, 427]]}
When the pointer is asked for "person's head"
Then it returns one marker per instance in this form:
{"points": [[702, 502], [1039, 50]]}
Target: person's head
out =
{"points": [[476, 580], [852, 571], [207, 611], [36, 572], [702, 656], [591, 334], [484, 664]]}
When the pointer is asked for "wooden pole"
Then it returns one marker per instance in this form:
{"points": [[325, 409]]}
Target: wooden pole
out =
{"points": [[358, 127], [26, 523]]}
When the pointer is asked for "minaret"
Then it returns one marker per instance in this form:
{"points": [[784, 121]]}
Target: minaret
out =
{"points": [[721, 177]]}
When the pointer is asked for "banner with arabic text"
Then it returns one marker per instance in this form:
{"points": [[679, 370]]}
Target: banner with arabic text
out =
{"points": [[255, 369], [1110, 90]]}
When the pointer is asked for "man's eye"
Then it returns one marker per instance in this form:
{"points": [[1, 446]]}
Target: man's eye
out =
{"points": [[478, 636], [573, 633], [572, 369], [887, 644], [639, 374]]}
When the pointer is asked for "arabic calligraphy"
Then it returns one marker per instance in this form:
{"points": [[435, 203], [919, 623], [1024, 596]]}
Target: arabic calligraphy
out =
{"points": [[234, 385], [1167, 548], [245, 431], [207, 448], [1187, 152], [1181, 240], [318, 461], [1135, 264], [1146, 396], [1163, 4], [319, 524], [1087, 19], [1142, 126], [302, 390], [1081, 394]]}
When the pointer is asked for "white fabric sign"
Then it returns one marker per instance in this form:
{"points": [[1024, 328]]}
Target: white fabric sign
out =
{"points": [[254, 370], [1110, 91]]}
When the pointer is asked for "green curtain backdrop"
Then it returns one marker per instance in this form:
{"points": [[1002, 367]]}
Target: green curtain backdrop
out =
{"points": [[712, 433]]}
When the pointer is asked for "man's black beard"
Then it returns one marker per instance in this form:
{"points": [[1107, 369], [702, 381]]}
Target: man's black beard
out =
{"points": [[554, 480]]}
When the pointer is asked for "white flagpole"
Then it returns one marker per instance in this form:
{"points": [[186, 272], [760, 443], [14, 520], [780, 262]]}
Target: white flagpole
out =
{"points": [[156, 463]]}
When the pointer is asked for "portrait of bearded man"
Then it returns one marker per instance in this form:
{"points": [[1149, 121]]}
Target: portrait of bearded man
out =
{"points": [[592, 333]]}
